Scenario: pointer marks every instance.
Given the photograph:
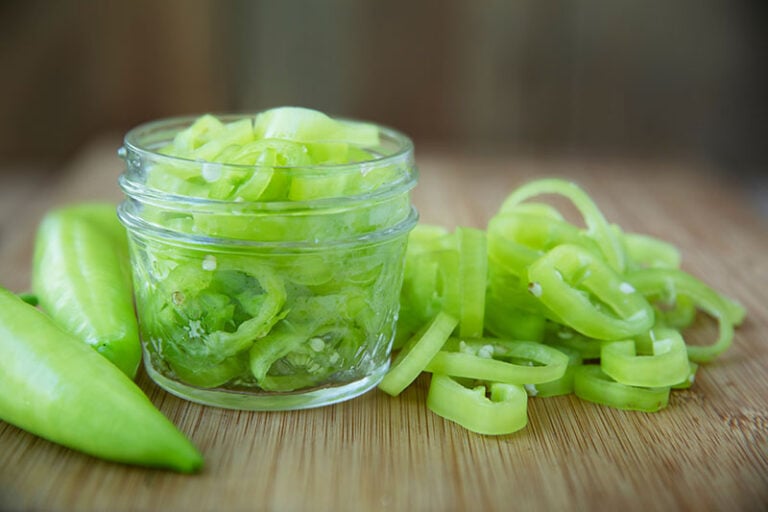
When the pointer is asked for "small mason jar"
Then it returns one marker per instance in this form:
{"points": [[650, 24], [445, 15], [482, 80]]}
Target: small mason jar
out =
{"points": [[285, 302]]}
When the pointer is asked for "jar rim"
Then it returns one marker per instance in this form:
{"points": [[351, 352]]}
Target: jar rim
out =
{"points": [[137, 225], [155, 197], [133, 142], [141, 151]]}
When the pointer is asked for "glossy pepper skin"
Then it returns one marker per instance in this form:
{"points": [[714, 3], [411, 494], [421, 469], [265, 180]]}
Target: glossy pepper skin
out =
{"points": [[55, 386], [81, 276]]}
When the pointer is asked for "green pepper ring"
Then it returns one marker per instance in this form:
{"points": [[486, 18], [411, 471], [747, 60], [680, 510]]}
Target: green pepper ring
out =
{"points": [[505, 412], [550, 277], [590, 383], [666, 367], [460, 364]]}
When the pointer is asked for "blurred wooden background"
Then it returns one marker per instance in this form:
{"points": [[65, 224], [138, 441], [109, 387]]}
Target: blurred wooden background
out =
{"points": [[632, 78]]}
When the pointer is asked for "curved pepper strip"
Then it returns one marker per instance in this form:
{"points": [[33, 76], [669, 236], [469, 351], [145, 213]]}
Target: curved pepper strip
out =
{"points": [[534, 208], [415, 355], [422, 279], [688, 381], [511, 292], [475, 360], [505, 412], [670, 283], [423, 283], [647, 251], [511, 256], [450, 293], [426, 238], [558, 335], [679, 315], [563, 385], [554, 279], [433, 279], [418, 298], [263, 354], [307, 318], [208, 357], [473, 274], [537, 233], [230, 343], [590, 383], [513, 323], [433, 282], [598, 227], [666, 366]]}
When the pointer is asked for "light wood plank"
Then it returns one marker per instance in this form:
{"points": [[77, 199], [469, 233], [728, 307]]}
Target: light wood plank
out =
{"points": [[707, 451]]}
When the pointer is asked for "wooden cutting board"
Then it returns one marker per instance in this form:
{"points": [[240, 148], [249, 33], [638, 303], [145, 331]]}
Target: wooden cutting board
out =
{"points": [[707, 451]]}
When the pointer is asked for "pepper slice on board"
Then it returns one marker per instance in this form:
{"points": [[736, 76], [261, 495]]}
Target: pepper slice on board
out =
{"points": [[590, 383], [586, 294], [505, 412], [663, 363], [417, 352], [476, 359]]}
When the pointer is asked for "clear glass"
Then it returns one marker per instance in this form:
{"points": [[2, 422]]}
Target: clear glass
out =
{"points": [[284, 303]]}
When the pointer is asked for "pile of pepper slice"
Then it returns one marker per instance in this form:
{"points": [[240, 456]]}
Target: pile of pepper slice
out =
{"points": [[539, 306]]}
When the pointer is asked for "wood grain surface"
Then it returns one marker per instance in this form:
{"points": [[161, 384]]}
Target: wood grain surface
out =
{"points": [[707, 451]]}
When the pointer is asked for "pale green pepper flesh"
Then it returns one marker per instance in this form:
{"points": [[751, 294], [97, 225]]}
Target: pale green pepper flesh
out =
{"points": [[220, 316], [57, 387], [81, 277], [611, 305]]}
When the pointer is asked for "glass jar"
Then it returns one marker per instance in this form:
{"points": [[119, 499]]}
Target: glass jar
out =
{"points": [[273, 304]]}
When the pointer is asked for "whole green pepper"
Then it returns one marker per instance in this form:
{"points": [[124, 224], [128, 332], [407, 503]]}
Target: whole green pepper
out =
{"points": [[81, 276], [56, 387]]}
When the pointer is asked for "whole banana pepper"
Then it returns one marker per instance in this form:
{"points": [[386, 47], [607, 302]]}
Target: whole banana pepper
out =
{"points": [[81, 277], [57, 387]]}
